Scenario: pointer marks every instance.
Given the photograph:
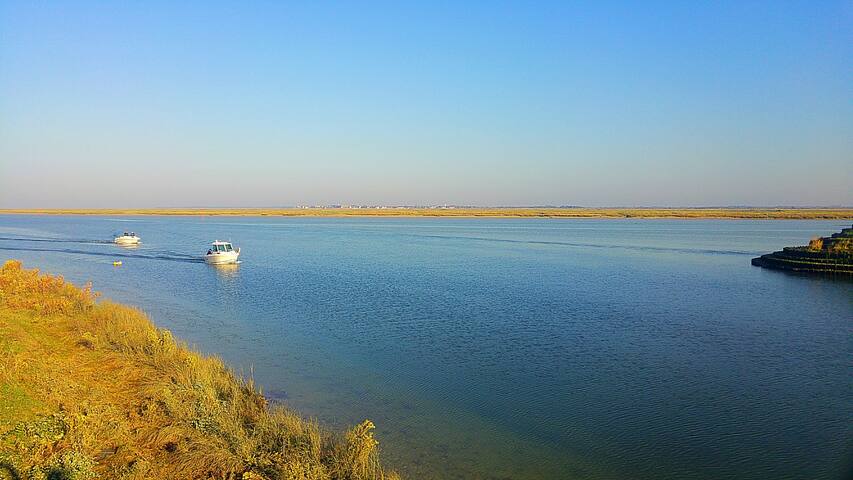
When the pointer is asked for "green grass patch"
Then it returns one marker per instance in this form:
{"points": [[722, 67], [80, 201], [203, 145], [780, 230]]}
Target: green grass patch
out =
{"points": [[16, 405]]}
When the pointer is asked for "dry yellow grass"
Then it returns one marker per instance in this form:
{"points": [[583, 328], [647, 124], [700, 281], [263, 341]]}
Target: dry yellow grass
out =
{"points": [[816, 244], [91, 389], [746, 213]]}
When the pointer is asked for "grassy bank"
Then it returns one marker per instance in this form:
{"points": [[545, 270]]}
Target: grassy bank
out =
{"points": [[745, 213], [91, 389]]}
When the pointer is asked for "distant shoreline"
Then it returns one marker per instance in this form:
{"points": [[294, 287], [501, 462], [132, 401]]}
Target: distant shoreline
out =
{"points": [[647, 213]]}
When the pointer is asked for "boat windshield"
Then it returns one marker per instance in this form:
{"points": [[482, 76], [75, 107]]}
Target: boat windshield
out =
{"points": [[227, 247]]}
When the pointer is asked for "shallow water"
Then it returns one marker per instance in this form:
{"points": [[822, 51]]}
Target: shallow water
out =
{"points": [[506, 348]]}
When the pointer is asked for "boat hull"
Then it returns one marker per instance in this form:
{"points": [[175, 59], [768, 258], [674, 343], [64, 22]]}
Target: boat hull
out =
{"points": [[221, 258], [127, 240]]}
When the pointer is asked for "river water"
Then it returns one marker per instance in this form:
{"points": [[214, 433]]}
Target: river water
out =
{"points": [[506, 348]]}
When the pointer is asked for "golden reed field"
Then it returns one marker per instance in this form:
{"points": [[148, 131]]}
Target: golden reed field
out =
{"points": [[91, 389], [747, 213]]}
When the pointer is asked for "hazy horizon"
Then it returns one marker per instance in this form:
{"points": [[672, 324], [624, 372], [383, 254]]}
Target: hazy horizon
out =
{"points": [[161, 105], [438, 206]]}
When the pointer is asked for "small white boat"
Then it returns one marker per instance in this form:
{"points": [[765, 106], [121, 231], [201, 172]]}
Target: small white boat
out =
{"points": [[127, 239], [221, 253]]}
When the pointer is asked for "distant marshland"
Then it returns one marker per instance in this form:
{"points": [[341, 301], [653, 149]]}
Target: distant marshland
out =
{"points": [[687, 213]]}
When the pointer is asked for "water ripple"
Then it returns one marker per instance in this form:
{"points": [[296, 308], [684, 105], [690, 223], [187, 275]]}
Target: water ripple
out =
{"points": [[593, 245]]}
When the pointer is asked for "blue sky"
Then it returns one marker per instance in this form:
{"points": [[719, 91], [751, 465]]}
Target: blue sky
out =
{"points": [[146, 104]]}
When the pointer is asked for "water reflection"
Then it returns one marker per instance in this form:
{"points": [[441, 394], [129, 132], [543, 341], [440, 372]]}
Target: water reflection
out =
{"points": [[227, 271]]}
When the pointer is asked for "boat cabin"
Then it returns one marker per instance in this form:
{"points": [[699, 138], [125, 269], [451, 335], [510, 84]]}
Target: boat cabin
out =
{"points": [[221, 247], [127, 239]]}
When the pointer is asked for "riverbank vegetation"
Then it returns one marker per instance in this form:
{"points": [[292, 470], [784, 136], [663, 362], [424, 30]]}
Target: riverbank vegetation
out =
{"points": [[92, 389], [745, 213], [831, 255]]}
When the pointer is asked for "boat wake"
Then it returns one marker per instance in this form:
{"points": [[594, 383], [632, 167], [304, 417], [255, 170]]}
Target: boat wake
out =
{"points": [[123, 253], [85, 241]]}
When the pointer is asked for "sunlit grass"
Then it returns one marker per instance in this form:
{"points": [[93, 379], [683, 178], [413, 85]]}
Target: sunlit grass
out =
{"points": [[93, 388], [746, 213]]}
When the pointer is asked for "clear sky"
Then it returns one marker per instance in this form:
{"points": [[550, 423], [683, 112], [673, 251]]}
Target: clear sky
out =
{"points": [[683, 103]]}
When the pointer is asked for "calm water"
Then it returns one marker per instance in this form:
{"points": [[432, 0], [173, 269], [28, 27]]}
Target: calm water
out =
{"points": [[507, 349]]}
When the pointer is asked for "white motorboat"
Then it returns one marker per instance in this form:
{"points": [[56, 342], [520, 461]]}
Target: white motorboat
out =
{"points": [[127, 239], [221, 253]]}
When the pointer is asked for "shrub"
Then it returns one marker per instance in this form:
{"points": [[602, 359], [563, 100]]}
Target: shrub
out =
{"points": [[816, 244]]}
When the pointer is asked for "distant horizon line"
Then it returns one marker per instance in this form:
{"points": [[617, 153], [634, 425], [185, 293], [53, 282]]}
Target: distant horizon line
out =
{"points": [[765, 213], [445, 206]]}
